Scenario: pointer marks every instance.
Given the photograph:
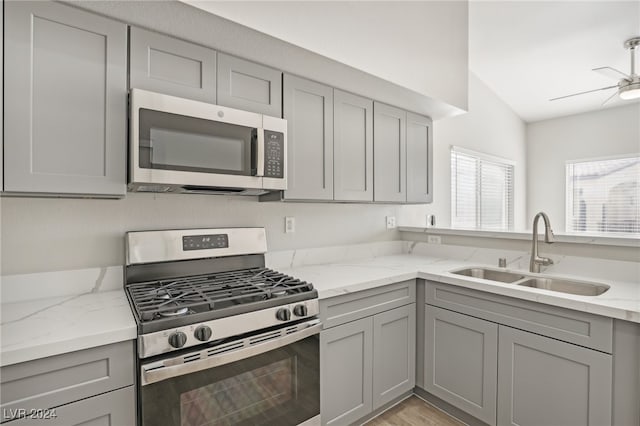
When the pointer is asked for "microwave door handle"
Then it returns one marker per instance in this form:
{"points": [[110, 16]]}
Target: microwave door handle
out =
{"points": [[260, 153], [175, 367]]}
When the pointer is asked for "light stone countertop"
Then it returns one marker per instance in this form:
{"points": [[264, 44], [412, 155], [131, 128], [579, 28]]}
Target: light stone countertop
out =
{"points": [[87, 308], [81, 312], [420, 260]]}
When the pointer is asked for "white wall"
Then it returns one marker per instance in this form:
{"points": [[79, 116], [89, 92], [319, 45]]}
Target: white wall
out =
{"points": [[550, 143], [398, 41], [490, 127], [40, 234]]}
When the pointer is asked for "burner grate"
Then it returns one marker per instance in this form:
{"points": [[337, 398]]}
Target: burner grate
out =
{"points": [[209, 292]]}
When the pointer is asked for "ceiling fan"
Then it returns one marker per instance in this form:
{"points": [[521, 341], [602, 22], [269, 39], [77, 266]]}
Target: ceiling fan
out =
{"points": [[628, 85]]}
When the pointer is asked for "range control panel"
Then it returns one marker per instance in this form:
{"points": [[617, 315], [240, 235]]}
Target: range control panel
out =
{"points": [[273, 154], [205, 242]]}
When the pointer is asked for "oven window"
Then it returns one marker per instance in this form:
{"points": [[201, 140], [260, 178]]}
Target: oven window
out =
{"points": [[176, 142], [236, 399], [280, 387]]}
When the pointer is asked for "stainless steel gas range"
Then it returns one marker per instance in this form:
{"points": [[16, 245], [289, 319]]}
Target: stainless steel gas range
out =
{"points": [[222, 340]]}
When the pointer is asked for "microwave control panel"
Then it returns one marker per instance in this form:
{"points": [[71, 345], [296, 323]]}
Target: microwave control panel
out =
{"points": [[273, 154]]}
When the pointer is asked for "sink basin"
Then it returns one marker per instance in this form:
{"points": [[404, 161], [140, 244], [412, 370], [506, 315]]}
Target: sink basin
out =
{"points": [[566, 286], [580, 288], [490, 274]]}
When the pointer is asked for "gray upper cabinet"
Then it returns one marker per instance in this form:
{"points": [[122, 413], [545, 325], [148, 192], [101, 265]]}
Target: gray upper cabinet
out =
{"points": [[65, 132], [346, 354], [249, 86], [390, 154], [163, 64], [353, 147], [461, 361], [308, 108], [543, 381], [419, 159], [394, 354]]}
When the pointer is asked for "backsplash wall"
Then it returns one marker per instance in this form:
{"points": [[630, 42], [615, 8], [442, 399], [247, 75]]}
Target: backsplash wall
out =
{"points": [[40, 234]]}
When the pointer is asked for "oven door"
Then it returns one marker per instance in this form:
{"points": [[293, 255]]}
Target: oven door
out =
{"points": [[270, 378], [177, 141]]}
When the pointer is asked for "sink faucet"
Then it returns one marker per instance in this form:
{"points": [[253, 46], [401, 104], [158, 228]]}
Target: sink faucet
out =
{"points": [[536, 261]]}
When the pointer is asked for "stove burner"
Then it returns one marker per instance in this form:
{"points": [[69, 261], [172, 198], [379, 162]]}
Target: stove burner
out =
{"points": [[177, 312], [180, 297]]}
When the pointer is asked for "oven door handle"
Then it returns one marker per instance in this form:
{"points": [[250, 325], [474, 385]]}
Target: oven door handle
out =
{"points": [[174, 367]]}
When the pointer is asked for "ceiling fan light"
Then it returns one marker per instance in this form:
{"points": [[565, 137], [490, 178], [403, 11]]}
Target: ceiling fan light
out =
{"points": [[629, 92]]}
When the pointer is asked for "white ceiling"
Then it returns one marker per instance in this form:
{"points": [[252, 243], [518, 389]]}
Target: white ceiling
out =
{"points": [[526, 51], [530, 52]]}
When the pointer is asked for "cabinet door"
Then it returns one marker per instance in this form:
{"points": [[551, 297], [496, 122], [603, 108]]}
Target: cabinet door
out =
{"points": [[394, 354], [419, 159], [461, 361], [65, 132], [249, 86], [308, 108], [163, 64], [346, 354], [115, 408], [353, 147], [542, 381], [390, 154]]}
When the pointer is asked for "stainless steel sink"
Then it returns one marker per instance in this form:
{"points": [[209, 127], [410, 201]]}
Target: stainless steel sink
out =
{"points": [[490, 274], [580, 288]]}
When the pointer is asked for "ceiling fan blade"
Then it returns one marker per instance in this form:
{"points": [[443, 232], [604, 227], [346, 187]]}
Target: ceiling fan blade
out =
{"points": [[582, 93], [609, 98], [611, 73]]}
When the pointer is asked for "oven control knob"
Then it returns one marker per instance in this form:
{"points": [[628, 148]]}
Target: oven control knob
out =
{"points": [[283, 314], [177, 339], [300, 311], [202, 333]]}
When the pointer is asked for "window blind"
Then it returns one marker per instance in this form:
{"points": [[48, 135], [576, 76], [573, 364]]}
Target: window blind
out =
{"points": [[603, 196], [481, 191]]}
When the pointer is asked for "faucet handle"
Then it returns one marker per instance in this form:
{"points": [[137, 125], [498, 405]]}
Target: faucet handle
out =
{"points": [[545, 261]]}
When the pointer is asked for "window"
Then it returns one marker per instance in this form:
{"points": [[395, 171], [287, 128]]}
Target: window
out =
{"points": [[481, 191], [603, 196]]}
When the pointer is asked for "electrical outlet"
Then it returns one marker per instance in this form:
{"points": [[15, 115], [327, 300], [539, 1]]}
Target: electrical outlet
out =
{"points": [[391, 222], [434, 239], [289, 224]]}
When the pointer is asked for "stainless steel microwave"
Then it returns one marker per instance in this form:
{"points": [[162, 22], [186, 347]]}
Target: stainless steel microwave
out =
{"points": [[181, 145]]}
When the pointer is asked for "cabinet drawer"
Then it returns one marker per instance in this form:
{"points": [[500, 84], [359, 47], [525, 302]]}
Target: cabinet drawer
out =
{"points": [[342, 309], [115, 408], [61, 379], [581, 328]]}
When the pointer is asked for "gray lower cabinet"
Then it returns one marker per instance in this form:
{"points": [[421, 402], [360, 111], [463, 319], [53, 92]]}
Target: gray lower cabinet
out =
{"points": [[92, 385], [66, 82], [352, 147], [419, 159], [461, 361], [366, 363], [164, 64], [346, 354], [308, 108], [491, 360], [115, 408], [390, 154], [542, 381], [394, 354], [249, 86]]}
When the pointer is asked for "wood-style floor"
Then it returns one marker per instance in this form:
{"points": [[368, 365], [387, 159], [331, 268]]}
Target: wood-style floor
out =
{"points": [[413, 412]]}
